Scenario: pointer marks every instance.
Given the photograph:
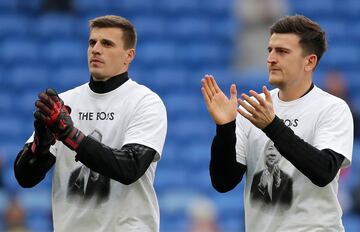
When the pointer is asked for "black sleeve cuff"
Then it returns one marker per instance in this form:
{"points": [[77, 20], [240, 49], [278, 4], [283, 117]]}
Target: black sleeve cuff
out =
{"points": [[226, 129], [274, 129]]}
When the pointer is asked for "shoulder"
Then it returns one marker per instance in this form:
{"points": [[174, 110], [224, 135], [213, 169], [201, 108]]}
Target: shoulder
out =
{"points": [[329, 102], [67, 95], [142, 92]]}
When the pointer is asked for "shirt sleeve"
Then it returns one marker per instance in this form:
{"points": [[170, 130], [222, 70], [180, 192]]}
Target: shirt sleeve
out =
{"points": [[241, 139], [335, 131], [148, 125]]}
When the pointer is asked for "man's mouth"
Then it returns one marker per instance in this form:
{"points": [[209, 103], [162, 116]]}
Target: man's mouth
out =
{"points": [[96, 61]]}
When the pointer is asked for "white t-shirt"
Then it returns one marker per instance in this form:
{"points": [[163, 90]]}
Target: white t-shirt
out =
{"points": [[285, 199], [82, 199]]}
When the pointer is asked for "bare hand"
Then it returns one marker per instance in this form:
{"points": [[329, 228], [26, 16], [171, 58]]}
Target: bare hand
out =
{"points": [[222, 109], [259, 112]]}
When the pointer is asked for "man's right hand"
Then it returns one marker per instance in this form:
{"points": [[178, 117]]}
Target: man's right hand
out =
{"points": [[43, 138], [222, 109]]}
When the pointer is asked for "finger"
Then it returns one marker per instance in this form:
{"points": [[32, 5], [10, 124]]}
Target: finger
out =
{"points": [[43, 107], [258, 97], [246, 115], [51, 92], [250, 103], [40, 116], [205, 86], [214, 84], [267, 94], [206, 96], [211, 82], [54, 95], [46, 99], [233, 92], [68, 108]]}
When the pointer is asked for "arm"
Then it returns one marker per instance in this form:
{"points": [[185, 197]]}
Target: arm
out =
{"points": [[31, 168], [225, 171], [125, 165], [35, 160], [320, 166]]}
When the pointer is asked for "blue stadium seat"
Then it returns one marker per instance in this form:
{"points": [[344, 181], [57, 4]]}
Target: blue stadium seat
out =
{"points": [[11, 127], [9, 150], [13, 25], [351, 222], [349, 10], [173, 8], [167, 80], [170, 177], [35, 199], [8, 6], [6, 102], [204, 54], [4, 201], [336, 30], [10, 182], [19, 51], [91, 7], [150, 28], [131, 7], [40, 222], [24, 106], [68, 77], [176, 108], [156, 53], [65, 52], [54, 26], [342, 56], [191, 29], [23, 77], [189, 129], [314, 9]]}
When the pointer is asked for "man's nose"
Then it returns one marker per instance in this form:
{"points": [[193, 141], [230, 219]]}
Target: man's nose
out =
{"points": [[96, 49], [271, 58]]}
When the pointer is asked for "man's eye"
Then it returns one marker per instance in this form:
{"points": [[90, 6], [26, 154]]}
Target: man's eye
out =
{"points": [[106, 44]]}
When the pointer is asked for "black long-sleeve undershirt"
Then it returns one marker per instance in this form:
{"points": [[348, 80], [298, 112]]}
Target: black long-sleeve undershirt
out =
{"points": [[320, 166], [31, 168], [125, 165], [225, 171]]}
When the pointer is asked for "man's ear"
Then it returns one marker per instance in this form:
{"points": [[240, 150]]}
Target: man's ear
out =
{"points": [[130, 55], [310, 62]]}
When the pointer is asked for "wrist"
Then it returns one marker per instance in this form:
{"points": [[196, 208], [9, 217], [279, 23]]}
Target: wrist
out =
{"points": [[73, 139], [38, 149]]}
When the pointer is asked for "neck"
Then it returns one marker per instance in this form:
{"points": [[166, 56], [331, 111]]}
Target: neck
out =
{"points": [[108, 85], [290, 93]]}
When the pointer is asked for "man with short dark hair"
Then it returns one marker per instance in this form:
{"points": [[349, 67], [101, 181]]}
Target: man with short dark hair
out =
{"points": [[104, 137], [311, 129]]}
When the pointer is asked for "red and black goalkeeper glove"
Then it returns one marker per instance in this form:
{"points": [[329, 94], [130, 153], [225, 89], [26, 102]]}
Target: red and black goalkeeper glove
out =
{"points": [[43, 138], [56, 115]]}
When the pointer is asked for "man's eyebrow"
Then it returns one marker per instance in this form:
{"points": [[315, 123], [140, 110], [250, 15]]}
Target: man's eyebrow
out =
{"points": [[103, 40], [278, 48], [108, 41]]}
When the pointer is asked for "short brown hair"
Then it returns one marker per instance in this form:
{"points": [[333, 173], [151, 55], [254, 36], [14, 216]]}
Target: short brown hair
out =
{"points": [[312, 37], [108, 21]]}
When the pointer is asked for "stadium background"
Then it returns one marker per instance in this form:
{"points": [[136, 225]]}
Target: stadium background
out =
{"points": [[178, 42]]}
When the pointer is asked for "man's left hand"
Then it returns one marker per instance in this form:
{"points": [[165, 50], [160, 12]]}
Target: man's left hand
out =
{"points": [[258, 111]]}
